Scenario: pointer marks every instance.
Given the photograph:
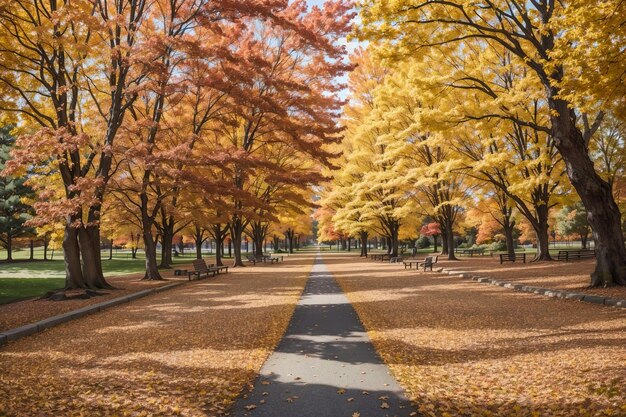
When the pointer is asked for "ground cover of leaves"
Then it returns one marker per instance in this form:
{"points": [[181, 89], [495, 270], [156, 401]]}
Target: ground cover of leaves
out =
{"points": [[188, 351], [19, 313], [461, 348], [572, 276]]}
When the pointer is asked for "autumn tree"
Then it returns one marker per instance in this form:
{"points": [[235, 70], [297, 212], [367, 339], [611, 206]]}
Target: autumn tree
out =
{"points": [[291, 97], [433, 230], [544, 37], [60, 57]]}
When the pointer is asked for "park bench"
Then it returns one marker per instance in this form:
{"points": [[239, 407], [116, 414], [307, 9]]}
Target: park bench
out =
{"points": [[275, 257], [418, 262], [568, 255], [471, 252], [385, 257], [269, 258], [396, 259], [411, 262], [427, 263], [507, 257], [200, 269], [253, 259]]}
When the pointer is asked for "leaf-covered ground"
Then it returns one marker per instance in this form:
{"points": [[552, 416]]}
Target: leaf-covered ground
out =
{"points": [[465, 349], [571, 276], [19, 313], [188, 351]]}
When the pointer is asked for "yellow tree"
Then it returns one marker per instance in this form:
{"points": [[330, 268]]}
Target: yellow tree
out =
{"points": [[60, 59], [537, 36]]}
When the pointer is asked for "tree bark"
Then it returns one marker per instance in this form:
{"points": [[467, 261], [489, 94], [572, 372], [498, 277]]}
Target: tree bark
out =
{"points": [[152, 269], [32, 250], [450, 241], [71, 255], [290, 233], [602, 211], [236, 232], [543, 237], [435, 247], [198, 238], [89, 246], [363, 235], [508, 227], [583, 239], [9, 247], [46, 243], [166, 245]]}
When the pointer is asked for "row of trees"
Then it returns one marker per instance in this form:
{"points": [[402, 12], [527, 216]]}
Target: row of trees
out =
{"points": [[156, 116], [504, 106]]}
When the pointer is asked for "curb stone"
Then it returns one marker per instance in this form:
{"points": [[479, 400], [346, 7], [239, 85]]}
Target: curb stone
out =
{"points": [[594, 299], [39, 326]]}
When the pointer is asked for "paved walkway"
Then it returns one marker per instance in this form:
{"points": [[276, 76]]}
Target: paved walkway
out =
{"points": [[326, 365]]}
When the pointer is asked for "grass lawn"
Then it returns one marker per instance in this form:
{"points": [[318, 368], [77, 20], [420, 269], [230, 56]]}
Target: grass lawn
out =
{"points": [[13, 289], [25, 279]]}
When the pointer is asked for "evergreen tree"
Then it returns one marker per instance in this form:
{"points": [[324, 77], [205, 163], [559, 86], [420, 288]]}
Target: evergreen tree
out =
{"points": [[13, 211]]}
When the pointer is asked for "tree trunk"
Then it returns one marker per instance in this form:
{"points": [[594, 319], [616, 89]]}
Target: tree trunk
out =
{"points": [[602, 212], [32, 250], [46, 243], [166, 245], [71, 256], [363, 236], [236, 232], [89, 246], [152, 269], [450, 239], [583, 239], [543, 237], [435, 243], [9, 247], [110, 249], [198, 238], [508, 235], [219, 248]]}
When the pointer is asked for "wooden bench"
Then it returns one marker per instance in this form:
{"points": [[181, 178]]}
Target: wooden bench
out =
{"points": [[396, 259], [269, 258], [419, 262], [568, 255], [218, 268], [275, 257], [507, 257], [252, 259], [200, 268], [427, 263], [470, 252]]}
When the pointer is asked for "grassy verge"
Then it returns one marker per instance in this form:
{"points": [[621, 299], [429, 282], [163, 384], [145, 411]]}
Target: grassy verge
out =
{"points": [[13, 289]]}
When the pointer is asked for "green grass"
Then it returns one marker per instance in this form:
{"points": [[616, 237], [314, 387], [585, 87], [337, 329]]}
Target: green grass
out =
{"points": [[13, 289], [25, 279]]}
